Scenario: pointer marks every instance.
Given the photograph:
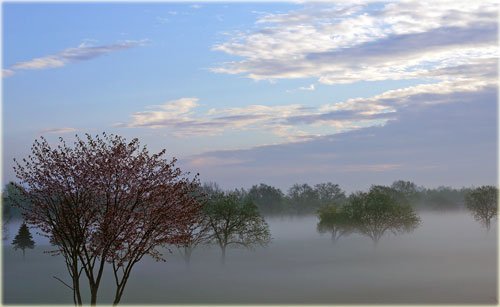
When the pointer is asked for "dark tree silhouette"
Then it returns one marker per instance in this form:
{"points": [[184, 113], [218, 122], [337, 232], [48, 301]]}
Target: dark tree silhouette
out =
{"points": [[329, 193], [234, 222], [482, 202], [106, 200], [407, 190], [335, 220], [268, 199], [197, 232], [303, 198], [23, 239], [378, 211]]}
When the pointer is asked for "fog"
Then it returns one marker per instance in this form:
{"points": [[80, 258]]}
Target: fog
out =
{"points": [[449, 259]]}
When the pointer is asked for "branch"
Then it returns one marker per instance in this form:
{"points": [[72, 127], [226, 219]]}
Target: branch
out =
{"points": [[72, 289]]}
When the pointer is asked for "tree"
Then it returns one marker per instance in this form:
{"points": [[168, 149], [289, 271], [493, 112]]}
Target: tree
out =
{"points": [[235, 223], [106, 201], [197, 232], [268, 199], [482, 202], [303, 198], [334, 219], [329, 193], [407, 189], [12, 197], [378, 211], [23, 239]]}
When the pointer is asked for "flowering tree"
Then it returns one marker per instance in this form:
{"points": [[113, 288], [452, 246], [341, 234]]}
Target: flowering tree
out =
{"points": [[106, 200], [197, 232]]}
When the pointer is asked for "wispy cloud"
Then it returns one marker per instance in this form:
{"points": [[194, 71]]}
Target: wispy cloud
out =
{"points": [[295, 122], [59, 130], [7, 73], [345, 43], [450, 139], [83, 52], [307, 88]]}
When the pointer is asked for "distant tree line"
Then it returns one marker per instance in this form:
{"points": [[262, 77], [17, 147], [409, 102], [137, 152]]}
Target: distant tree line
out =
{"points": [[307, 199], [299, 198]]}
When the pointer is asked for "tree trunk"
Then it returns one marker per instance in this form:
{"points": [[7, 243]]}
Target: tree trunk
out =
{"points": [[23, 254], [335, 236], [120, 288], [187, 255], [77, 297], [76, 285], [93, 296], [487, 223], [223, 256]]}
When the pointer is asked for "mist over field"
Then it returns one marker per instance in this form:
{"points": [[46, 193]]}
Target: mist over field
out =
{"points": [[449, 259]]}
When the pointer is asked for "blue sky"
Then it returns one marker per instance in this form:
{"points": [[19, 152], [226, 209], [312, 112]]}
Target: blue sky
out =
{"points": [[263, 92]]}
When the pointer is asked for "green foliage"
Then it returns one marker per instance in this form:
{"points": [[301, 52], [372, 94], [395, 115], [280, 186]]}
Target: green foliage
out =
{"points": [[302, 198], [483, 203], [441, 198], [406, 189], [268, 199], [23, 239], [378, 211], [12, 199], [234, 222], [329, 193], [335, 220]]}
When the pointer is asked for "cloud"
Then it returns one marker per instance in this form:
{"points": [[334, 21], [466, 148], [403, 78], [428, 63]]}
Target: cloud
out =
{"points": [[295, 122], [7, 73], [307, 88], [344, 43], [450, 140], [196, 6], [83, 52], [59, 130]]}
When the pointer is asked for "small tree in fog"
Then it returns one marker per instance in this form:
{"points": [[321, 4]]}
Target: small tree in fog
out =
{"points": [[12, 198], [234, 222], [378, 211], [482, 202], [196, 232], [334, 220], [23, 239]]}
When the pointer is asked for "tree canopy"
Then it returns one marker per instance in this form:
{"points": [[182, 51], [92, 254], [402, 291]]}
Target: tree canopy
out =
{"points": [[335, 220], [106, 200], [235, 222], [268, 199], [371, 213], [483, 203]]}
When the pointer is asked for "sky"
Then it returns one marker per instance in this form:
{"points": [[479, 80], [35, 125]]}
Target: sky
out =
{"points": [[352, 92]]}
